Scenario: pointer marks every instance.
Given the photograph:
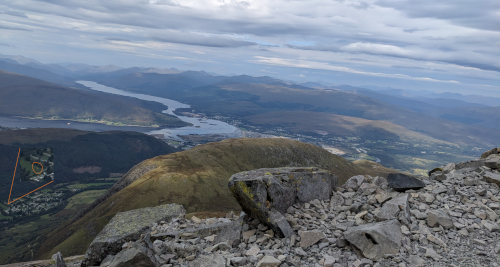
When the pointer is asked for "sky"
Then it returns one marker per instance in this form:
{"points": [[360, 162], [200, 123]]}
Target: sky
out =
{"points": [[428, 45]]}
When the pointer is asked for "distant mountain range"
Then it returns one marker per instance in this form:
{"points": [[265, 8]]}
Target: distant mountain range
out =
{"points": [[246, 97], [24, 96], [432, 128]]}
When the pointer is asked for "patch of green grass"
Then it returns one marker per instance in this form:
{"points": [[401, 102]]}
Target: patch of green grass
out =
{"points": [[110, 179], [87, 185], [84, 198]]}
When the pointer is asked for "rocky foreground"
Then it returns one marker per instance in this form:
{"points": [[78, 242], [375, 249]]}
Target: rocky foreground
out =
{"points": [[299, 217]]}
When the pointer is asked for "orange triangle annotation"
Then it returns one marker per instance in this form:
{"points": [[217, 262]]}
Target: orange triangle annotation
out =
{"points": [[12, 184]]}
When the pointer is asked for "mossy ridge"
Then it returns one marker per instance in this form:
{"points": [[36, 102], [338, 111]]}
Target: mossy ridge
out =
{"points": [[174, 178]]}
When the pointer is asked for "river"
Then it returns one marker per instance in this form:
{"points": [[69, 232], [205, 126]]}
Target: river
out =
{"points": [[199, 126]]}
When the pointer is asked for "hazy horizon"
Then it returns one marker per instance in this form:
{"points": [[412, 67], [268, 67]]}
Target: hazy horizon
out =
{"points": [[447, 47]]}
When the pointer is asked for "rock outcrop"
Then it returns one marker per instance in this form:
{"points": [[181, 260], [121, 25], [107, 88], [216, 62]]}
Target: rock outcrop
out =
{"points": [[126, 226], [450, 221], [267, 193]]}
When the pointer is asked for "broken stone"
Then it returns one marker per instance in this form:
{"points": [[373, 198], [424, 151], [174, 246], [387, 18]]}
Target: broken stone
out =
{"points": [[268, 261], [393, 207], [212, 260], [438, 217], [136, 255], [309, 238], [492, 177], [375, 240]]}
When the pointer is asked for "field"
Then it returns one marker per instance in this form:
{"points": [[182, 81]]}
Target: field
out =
{"points": [[22, 235]]}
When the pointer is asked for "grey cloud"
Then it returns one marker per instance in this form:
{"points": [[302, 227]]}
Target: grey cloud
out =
{"points": [[481, 14], [200, 40], [14, 28]]}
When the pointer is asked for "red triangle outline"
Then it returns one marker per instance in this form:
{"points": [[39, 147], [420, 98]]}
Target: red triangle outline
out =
{"points": [[12, 184]]}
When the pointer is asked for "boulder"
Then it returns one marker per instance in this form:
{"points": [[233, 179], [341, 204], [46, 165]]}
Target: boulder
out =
{"points": [[266, 194], [375, 240], [493, 151], [492, 177], [58, 260], [135, 255], [402, 182], [127, 226], [439, 217], [493, 161]]}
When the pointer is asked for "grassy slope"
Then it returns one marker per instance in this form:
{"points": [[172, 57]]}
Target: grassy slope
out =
{"points": [[28, 97], [197, 179], [339, 125]]}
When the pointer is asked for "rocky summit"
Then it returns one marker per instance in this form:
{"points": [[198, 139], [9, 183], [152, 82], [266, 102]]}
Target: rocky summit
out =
{"points": [[451, 218]]}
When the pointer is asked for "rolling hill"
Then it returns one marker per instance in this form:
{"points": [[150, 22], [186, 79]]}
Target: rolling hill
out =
{"points": [[197, 179], [24, 96]]}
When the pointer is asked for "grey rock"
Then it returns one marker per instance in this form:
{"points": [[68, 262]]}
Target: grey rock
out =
{"points": [[253, 251], [309, 238], [438, 176], [493, 161], [328, 261], [354, 182], [402, 182], [107, 261], [493, 151], [127, 226], [238, 261], [336, 201], [260, 191], [229, 231], [299, 251], [392, 208], [492, 177], [416, 261], [136, 255], [58, 260], [213, 260], [473, 164], [439, 217], [220, 246], [279, 224], [268, 261], [375, 240], [491, 226]]}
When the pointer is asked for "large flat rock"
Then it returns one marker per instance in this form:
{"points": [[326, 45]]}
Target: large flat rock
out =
{"points": [[402, 182], [265, 193], [127, 226]]}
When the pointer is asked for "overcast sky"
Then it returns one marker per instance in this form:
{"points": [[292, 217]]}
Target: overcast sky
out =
{"points": [[445, 45]]}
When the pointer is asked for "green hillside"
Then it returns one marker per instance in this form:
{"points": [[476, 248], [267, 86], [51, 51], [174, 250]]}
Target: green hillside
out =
{"points": [[24, 96], [197, 179], [24, 223]]}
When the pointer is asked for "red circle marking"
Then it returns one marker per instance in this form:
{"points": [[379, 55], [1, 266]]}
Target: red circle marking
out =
{"points": [[33, 167]]}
